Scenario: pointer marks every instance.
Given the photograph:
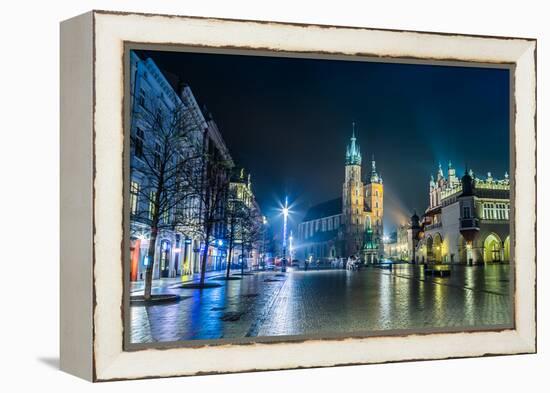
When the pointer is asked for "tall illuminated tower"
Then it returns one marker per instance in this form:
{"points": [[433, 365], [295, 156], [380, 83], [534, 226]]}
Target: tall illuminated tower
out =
{"points": [[374, 193], [353, 203]]}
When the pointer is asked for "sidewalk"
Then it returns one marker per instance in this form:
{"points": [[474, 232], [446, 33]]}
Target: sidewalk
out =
{"points": [[138, 286]]}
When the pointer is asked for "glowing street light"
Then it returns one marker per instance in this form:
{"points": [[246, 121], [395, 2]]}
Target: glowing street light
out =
{"points": [[290, 246], [264, 220], [285, 222]]}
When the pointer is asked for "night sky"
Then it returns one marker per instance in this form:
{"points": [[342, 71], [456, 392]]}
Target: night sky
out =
{"points": [[288, 121]]}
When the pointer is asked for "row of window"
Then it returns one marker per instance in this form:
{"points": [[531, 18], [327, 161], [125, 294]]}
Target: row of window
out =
{"points": [[138, 147], [332, 223], [376, 205], [490, 211], [377, 212], [357, 193], [324, 224], [142, 99], [496, 211], [135, 189]]}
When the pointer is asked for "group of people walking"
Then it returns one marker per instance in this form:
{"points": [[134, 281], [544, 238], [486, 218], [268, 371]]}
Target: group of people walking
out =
{"points": [[349, 263]]}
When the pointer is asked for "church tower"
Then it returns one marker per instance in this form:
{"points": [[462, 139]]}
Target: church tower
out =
{"points": [[353, 199], [374, 230]]}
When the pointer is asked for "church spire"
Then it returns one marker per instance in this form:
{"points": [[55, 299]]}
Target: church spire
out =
{"points": [[353, 154], [374, 177], [440, 172]]}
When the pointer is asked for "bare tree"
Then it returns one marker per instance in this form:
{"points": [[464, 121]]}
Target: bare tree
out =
{"points": [[164, 144], [251, 230], [209, 185], [233, 215]]}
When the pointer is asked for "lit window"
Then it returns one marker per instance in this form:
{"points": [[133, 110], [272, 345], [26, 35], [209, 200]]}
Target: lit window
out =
{"points": [[489, 211], [134, 191], [151, 204], [501, 211]]}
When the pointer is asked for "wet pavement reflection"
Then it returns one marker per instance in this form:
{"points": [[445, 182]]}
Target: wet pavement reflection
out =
{"points": [[329, 302]]}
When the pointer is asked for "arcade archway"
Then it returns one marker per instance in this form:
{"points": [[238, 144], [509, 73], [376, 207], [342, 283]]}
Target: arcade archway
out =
{"points": [[437, 246], [492, 249], [507, 249], [429, 249]]}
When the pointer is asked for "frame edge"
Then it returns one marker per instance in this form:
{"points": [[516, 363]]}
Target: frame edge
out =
{"points": [[76, 196]]}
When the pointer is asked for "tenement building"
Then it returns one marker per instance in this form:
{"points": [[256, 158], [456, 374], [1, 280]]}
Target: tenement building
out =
{"points": [[467, 220], [245, 222], [155, 105], [351, 225], [396, 246]]}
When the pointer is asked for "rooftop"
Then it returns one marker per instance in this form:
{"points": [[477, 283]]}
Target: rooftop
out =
{"points": [[325, 209]]}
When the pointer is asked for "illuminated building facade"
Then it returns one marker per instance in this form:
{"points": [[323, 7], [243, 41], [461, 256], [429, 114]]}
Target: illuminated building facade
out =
{"points": [[467, 220], [149, 90], [244, 206], [351, 225], [178, 248], [396, 247]]}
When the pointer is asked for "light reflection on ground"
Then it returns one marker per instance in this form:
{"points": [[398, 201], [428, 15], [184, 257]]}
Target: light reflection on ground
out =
{"points": [[328, 302]]}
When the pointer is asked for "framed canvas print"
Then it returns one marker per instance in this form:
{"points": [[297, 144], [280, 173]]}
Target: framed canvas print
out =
{"points": [[245, 195]]}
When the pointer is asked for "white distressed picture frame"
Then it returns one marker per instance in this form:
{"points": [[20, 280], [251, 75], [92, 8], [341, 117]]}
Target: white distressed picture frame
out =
{"points": [[92, 143]]}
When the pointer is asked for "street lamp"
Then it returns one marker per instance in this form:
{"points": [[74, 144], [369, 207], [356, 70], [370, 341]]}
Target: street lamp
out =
{"points": [[290, 247], [285, 221], [264, 219]]}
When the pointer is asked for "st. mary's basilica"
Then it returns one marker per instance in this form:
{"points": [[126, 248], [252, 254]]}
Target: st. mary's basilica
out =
{"points": [[351, 225]]}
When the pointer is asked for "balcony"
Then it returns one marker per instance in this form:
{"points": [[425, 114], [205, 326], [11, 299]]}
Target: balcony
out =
{"points": [[433, 226], [469, 224], [505, 221]]}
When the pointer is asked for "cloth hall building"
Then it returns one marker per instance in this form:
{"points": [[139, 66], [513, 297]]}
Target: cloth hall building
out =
{"points": [[351, 225], [467, 220]]}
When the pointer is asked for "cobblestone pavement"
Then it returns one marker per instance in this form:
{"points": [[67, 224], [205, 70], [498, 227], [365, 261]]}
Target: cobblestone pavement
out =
{"points": [[328, 302], [137, 287]]}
